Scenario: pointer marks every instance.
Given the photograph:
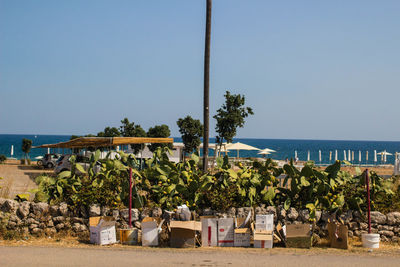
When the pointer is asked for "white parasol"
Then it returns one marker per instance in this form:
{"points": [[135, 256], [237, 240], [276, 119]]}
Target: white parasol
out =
{"points": [[240, 146]]}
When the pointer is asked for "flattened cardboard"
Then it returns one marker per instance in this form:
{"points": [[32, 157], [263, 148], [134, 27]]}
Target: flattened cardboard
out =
{"points": [[183, 233], [190, 225], [338, 235], [209, 232], [295, 230], [298, 236], [225, 232]]}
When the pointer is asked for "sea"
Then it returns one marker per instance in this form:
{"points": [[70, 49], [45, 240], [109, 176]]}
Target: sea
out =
{"points": [[285, 148]]}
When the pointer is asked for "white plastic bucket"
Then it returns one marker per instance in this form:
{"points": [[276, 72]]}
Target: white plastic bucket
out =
{"points": [[370, 240]]}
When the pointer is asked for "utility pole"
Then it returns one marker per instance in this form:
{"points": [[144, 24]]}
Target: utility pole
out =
{"points": [[206, 111]]}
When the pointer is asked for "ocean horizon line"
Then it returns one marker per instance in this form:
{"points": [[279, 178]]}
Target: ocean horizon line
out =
{"points": [[250, 138]]}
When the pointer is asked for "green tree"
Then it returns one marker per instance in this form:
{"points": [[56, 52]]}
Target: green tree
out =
{"points": [[161, 131], [191, 131], [109, 132], [26, 147], [129, 129], [231, 116], [2, 158]]}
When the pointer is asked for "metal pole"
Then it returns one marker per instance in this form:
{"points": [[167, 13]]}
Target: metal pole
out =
{"points": [[368, 201], [130, 197], [206, 111]]}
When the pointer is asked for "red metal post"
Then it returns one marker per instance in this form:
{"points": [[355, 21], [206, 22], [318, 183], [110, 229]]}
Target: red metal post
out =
{"points": [[130, 197], [368, 201]]}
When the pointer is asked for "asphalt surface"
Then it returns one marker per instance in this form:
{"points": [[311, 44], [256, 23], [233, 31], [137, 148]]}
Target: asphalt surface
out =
{"points": [[59, 256]]}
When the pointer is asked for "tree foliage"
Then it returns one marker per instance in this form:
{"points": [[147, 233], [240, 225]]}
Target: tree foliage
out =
{"points": [[191, 131], [161, 131], [109, 132], [129, 129], [231, 116]]}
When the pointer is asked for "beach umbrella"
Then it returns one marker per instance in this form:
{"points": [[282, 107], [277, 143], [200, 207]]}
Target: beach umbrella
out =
{"points": [[345, 158], [268, 150], [330, 156], [359, 155], [384, 155], [308, 155], [366, 156], [295, 154], [319, 155], [375, 157], [349, 155], [240, 146], [48, 150], [336, 158], [352, 155], [264, 153], [12, 150]]}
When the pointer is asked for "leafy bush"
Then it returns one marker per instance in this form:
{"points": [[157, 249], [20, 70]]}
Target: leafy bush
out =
{"points": [[165, 184], [2, 158]]}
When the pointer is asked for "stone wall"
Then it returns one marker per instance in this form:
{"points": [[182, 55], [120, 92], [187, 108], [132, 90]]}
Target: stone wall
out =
{"points": [[29, 218]]}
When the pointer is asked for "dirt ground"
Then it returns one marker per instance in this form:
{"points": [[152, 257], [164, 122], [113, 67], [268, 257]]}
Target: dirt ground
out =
{"points": [[72, 252], [18, 179]]}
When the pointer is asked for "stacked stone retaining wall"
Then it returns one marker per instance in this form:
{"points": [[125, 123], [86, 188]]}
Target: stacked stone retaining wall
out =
{"points": [[38, 219]]}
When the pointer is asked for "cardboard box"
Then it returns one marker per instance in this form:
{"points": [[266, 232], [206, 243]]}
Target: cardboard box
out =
{"points": [[183, 233], [242, 237], [209, 232], [102, 230], [150, 230], [298, 236], [225, 232], [263, 239], [265, 222], [338, 235]]}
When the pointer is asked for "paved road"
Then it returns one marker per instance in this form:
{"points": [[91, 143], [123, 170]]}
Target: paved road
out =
{"points": [[58, 256]]}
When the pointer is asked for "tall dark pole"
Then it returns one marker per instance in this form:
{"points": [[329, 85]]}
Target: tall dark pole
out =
{"points": [[368, 201], [206, 111], [130, 198]]}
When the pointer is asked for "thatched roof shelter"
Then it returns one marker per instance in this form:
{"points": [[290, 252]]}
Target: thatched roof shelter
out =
{"points": [[96, 142]]}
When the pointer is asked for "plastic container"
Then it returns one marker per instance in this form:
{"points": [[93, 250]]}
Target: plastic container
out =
{"points": [[129, 236], [370, 240]]}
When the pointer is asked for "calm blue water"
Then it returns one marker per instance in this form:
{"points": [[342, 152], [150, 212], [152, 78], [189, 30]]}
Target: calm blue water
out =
{"points": [[285, 148]]}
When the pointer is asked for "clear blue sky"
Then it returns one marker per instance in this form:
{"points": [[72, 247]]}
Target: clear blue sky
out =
{"points": [[310, 69]]}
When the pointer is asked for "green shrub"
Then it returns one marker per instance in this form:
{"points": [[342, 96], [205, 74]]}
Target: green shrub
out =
{"points": [[165, 184], [2, 158]]}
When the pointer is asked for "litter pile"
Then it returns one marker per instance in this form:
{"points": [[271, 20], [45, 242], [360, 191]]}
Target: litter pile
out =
{"points": [[184, 231]]}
